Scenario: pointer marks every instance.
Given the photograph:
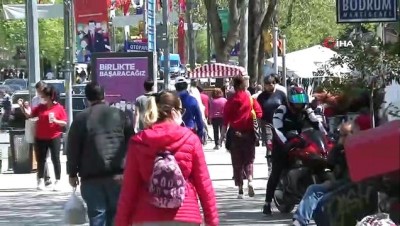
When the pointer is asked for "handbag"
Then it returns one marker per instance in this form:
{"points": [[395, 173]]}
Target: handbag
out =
{"points": [[30, 130], [255, 121]]}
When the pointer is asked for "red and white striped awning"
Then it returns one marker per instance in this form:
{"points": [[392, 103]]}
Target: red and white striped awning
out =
{"points": [[217, 70]]}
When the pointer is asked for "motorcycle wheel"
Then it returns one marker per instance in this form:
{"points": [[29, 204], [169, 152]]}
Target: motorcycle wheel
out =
{"points": [[280, 204]]}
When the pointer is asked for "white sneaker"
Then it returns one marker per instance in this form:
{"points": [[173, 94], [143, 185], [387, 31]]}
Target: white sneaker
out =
{"points": [[56, 186], [296, 223], [40, 185]]}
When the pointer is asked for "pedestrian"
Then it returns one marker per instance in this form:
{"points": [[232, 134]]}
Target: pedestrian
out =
{"points": [[52, 119], [36, 101], [192, 118], [270, 99], [164, 116], [140, 104], [97, 144], [195, 92], [238, 112], [217, 105]]}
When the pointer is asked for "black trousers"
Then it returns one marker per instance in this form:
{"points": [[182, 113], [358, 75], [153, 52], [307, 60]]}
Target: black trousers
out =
{"points": [[279, 159], [217, 127], [42, 147]]}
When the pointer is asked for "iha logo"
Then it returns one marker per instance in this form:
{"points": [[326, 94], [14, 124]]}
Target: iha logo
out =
{"points": [[333, 43]]}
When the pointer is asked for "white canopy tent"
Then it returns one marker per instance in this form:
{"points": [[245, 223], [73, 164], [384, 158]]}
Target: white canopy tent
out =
{"points": [[304, 63]]}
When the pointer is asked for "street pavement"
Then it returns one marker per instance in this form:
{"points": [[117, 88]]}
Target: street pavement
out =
{"points": [[22, 205]]}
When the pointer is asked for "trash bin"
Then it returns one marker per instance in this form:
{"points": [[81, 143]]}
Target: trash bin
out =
{"points": [[21, 152]]}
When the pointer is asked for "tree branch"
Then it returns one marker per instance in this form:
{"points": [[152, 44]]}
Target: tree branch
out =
{"points": [[290, 15]]}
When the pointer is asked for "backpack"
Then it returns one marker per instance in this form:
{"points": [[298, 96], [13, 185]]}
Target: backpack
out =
{"points": [[167, 184]]}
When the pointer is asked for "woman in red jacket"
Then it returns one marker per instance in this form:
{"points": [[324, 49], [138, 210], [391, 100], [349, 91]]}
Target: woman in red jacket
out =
{"points": [[241, 137], [164, 114]]}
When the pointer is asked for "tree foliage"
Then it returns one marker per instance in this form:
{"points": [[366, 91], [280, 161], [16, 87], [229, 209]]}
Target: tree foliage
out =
{"points": [[51, 35], [307, 23]]}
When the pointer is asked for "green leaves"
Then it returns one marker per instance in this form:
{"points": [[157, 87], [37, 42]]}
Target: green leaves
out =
{"points": [[308, 22]]}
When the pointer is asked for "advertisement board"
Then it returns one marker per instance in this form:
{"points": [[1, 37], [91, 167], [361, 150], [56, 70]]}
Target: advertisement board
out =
{"points": [[366, 11], [91, 19], [122, 74]]}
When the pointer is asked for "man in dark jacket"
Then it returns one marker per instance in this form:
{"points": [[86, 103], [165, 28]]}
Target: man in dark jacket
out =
{"points": [[97, 143], [316, 192]]}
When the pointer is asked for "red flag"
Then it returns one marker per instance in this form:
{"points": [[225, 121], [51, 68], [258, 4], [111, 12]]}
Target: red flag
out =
{"points": [[170, 6], [126, 4], [181, 39], [182, 5]]}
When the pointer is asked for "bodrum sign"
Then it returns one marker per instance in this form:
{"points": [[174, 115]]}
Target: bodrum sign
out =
{"points": [[366, 11]]}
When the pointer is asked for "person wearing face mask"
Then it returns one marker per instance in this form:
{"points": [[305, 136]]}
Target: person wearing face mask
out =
{"points": [[97, 145], [52, 119], [36, 101], [288, 119], [163, 118]]}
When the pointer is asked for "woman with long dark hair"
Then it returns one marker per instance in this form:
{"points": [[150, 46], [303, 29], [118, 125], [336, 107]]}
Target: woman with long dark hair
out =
{"points": [[49, 127]]}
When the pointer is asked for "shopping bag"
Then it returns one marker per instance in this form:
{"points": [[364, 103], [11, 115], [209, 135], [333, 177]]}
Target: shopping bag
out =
{"points": [[30, 130], [74, 210]]}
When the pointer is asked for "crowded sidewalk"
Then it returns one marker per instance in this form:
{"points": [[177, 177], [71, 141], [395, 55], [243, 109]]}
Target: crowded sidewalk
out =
{"points": [[23, 205]]}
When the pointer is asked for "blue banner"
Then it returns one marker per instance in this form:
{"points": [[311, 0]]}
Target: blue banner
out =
{"points": [[151, 25], [136, 46], [366, 11]]}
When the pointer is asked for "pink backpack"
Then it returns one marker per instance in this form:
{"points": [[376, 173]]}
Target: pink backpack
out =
{"points": [[167, 184]]}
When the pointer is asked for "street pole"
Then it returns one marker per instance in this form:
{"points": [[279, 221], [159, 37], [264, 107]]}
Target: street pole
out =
{"points": [[166, 44], [208, 39], [68, 58], [244, 35], [284, 72], [33, 57], [275, 31], [192, 60]]}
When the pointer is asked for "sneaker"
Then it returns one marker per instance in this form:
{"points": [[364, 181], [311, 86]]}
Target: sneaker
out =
{"points": [[216, 147], [40, 185], [267, 209], [296, 223], [56, 186], [240, 196], [251, 190], [47, 183]]}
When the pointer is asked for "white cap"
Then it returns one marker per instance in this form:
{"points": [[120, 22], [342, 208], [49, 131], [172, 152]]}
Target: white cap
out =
{"points": [[180, 79]]}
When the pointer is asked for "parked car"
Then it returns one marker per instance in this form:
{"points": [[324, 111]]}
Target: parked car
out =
{"points": [[58, 84], [17, 81]]}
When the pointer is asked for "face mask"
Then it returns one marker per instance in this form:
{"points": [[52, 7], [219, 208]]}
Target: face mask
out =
{"points": [[43, 101], [178, 118]]}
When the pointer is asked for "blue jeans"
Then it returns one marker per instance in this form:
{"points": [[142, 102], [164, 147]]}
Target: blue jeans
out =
{"points": [[309, 203], [101, 197]]}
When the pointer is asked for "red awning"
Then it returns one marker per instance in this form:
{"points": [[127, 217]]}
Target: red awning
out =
{"points": [[217, 70]]}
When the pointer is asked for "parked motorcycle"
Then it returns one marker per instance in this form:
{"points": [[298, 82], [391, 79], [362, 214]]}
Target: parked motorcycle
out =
{"points": [[307, 166]]}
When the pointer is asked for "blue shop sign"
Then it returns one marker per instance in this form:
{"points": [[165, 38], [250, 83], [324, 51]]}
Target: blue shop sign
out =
{"points": [[366, 11], [136, 46]]}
